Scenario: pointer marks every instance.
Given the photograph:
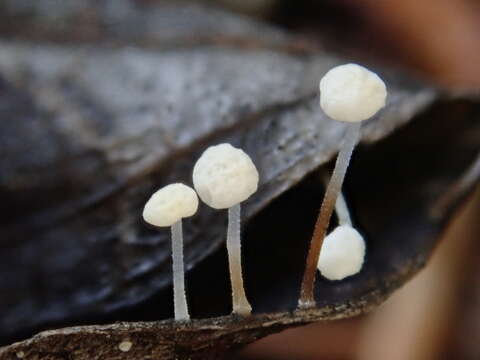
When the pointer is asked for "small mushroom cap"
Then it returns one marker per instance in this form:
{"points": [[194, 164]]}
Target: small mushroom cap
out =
{"points": [[224, 176], [351, 93], [342, 253], [170, 204]]}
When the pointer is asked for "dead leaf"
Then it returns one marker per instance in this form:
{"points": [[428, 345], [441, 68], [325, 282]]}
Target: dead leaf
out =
{"points": [[97, 128]]}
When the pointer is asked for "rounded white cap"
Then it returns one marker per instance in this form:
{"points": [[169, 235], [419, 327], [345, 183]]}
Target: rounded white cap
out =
{"points": [[342, 253], [170, 204], [224, 176], [351, 93]]}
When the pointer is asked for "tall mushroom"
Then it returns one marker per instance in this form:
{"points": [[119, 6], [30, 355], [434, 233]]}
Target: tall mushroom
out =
{"points": [[349, 93], [224, 176], [167, 207]]}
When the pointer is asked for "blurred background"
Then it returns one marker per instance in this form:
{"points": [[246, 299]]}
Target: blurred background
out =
{"points": [[435, 38], [437, 314]]}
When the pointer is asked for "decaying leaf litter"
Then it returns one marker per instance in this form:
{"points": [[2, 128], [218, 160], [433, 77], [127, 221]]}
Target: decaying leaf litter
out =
{"points": [[109, 166]]}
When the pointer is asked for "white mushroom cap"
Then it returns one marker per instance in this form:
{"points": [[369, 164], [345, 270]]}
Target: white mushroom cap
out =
{"points": [[342, 253], [170, 204], [351, 93], [224, 176]]}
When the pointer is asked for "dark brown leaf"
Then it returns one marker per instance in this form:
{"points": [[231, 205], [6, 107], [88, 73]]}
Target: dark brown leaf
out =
{"points": [[89, 132]]}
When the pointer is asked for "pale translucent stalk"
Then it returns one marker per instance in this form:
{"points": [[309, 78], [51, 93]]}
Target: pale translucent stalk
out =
{"points": [[240, 304], [307, 299], [341, 209], [179, 297]]}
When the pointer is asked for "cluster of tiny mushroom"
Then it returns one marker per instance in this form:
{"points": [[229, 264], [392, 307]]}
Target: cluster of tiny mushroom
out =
{"points": [[225, 176]]}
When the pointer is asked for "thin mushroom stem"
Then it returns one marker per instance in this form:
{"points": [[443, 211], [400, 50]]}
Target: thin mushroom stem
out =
{"points": [[240, 303], [334, 188], [179, 297], [341, 209]]}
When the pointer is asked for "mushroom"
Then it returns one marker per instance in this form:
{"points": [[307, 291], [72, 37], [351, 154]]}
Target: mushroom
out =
{"points": [[167, 207], [342, 254], [224, 176], [348, 93], [343, 250]]}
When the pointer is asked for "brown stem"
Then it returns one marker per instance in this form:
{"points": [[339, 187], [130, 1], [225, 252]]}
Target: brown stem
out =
{"points": [[334, 187]]}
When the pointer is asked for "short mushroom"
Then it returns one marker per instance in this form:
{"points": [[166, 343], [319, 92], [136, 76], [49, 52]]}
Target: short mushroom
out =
{"points": [[349, 93], [224, 176], [343, 250], [167, 207]]}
